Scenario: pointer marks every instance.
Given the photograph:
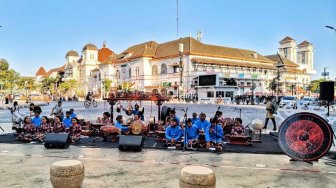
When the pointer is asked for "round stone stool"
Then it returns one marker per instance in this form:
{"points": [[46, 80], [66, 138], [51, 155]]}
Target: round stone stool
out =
{"points": [[197, 177], [67, 173]]}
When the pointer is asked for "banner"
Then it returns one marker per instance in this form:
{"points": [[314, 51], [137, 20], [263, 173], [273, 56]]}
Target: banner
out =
{"points": [[166, 84]]}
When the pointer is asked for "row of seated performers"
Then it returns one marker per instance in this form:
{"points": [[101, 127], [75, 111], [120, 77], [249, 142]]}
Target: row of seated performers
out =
{"points": [[36, 130], [201, 131]]}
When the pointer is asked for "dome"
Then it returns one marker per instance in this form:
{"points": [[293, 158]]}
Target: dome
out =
{"points": [[90, 47], [71, 53]]}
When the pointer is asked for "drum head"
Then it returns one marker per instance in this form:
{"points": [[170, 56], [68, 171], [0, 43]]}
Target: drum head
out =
{"points": [[136, 127], [305, 136]]}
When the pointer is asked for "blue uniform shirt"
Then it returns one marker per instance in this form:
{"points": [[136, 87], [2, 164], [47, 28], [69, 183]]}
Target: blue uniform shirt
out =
{"points": [[193, 120], [73, 115], [120, 126], [173, 132], [37, 121], [192, 132], [67, 122], [216, 136], [136, 112], [202, 124]]}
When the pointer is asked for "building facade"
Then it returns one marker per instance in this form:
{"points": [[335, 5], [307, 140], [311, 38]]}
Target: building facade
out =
{"points": [[151, 65]]}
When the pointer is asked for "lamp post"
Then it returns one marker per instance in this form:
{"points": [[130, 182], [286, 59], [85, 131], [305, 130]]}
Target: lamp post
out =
{"points": [[180, 92], [278, 75]]}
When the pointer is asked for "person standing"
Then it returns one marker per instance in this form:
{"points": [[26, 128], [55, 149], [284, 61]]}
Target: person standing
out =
{"points": [[57, 110], [270, 111]]}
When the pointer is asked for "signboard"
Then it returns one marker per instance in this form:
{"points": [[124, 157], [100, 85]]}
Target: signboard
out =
{"points": [[166, 84], [208, 80], [241, 75], [254, 76]]}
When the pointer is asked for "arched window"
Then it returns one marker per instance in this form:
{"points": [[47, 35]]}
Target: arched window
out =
{"points": [[163, 69], [130, 73], [154, 70]]}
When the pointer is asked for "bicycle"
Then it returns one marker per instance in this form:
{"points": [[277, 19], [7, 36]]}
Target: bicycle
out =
{"points": [[87, 103]]}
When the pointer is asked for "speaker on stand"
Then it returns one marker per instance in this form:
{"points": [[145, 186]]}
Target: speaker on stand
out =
{"points": [[57, 140], [327, 90]]}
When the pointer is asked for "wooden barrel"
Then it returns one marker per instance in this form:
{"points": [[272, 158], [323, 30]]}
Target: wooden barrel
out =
{"points": [[67, 173], [197, 177]]}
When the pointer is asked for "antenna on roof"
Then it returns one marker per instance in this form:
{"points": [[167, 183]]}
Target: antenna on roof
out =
{"points": [[199, 35], [104, 44]]}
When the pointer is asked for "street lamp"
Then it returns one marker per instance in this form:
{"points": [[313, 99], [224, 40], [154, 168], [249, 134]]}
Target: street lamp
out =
{"points": [[180, 92], [329, 27], [278, 74]]}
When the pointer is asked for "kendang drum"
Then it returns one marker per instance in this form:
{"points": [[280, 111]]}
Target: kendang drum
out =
{"points": [[305, 136], [109, 130]]}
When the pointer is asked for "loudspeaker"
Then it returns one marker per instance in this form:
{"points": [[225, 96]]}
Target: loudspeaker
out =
{"points": [[131, 143], [327, 90], [57, 140]]}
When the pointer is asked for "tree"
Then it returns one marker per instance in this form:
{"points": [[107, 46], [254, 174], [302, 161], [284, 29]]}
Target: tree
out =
{"points": [[4, 65], [315, 85], [8, 77], [273, 85]]}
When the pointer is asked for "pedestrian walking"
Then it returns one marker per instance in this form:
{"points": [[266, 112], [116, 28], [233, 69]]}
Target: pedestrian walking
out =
{"points": [[270, 111]]}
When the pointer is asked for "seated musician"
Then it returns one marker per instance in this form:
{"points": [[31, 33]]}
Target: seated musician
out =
{"points": [[143, 124], [73, 114], [219, 115], [75, 130], [45, 128], [191, 132], [29, 130], [57, 125], [173, 132], [120, 124], [172, 114], [105, 119], [67, 120], [238, 128], [137, 112], [214, 135], [194, 118], [202, 123]]}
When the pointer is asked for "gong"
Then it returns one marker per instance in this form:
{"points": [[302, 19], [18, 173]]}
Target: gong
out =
{"points": [[305, 136]]}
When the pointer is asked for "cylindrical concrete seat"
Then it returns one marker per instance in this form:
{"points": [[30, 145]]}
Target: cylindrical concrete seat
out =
{"points": [[67, 173], [197, 177]]}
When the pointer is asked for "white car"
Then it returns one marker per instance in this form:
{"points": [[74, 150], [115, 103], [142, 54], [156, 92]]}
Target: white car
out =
{"points": [[288, 101], [305, 101]]}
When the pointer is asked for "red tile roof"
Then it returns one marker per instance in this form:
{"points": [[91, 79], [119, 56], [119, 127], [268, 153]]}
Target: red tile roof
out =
{"points": [[104, 53], [41, 72], [55, 70]]}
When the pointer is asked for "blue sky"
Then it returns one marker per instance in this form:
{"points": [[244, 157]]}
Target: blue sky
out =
{"points": [[39, 32]]}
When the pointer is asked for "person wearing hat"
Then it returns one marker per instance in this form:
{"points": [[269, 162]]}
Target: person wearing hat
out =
{"points": [[214, 135], [119, 124], [173, 132], [172, 114], [67, 120], [191, 132], [194, 118], [137, 112], [202, 123], [57, 110]]}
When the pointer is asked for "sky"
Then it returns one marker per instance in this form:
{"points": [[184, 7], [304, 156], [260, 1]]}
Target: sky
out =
{"points": [[38, 33]]}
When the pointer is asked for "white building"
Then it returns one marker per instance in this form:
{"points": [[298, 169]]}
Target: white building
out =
{"points": [[151, 65]]}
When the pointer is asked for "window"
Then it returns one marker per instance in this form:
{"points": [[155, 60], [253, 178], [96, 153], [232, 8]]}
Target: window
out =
{"points": [[248, 83], [130, 73], [91, 56], [154, 70], [241, 83], [99, 76], [176, 69], [303, 59], [285, 52], [163, 69], [210, 94], [219, 93]]}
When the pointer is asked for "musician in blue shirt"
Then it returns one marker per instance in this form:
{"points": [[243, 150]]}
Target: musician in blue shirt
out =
{"points": [[72, 113], [119, 124], [194, 118], [37, 120], [67, 120], [191, 133], [214, 135], [137, 112], [173, 132], [202, 123], [172, 114]]}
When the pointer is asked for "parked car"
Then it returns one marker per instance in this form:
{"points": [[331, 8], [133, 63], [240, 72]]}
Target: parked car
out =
{"points": [[288, 101], [306, 101]]}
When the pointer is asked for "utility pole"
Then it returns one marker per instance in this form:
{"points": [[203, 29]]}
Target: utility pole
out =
{"points": [[180, 92], [278, 75], [325, 73]]}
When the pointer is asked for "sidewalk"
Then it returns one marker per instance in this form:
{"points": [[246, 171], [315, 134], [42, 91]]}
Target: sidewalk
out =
{"points": [[23, 104]]}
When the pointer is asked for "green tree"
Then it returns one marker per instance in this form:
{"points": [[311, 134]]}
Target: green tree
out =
{"points": [[8, 77], [315, 85]]}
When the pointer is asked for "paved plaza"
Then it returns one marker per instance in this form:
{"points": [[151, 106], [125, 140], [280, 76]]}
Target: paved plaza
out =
{"points": [[27, 165]]}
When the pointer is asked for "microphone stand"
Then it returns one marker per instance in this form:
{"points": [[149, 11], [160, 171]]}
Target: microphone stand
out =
{"points": [[185, 141]]}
